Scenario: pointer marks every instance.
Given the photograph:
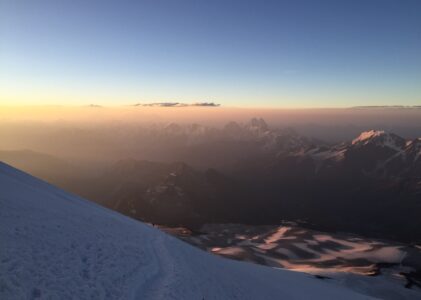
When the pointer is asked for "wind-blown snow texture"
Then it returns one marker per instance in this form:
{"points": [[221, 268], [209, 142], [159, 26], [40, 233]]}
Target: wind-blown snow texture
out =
{"points": [[57, 246]]}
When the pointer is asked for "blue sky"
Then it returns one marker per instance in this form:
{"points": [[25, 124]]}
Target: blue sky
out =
{"points": [[237, 53]]}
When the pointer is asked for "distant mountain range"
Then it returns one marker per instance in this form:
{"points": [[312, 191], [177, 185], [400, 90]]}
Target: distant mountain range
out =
{"points": [[253, 174]]}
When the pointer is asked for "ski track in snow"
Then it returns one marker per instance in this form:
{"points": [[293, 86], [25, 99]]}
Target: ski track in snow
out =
{"points": [[55, 245]]}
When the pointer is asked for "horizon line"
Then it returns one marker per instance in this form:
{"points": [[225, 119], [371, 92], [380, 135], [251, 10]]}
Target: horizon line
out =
{"points": [[205, 105]]}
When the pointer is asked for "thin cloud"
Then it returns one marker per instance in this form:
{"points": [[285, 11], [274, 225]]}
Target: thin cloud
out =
{"points": [[177, 104]]}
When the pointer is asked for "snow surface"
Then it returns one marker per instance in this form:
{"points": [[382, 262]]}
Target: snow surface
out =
{"points": [[55, 245], [366, 135], [388, 139]]}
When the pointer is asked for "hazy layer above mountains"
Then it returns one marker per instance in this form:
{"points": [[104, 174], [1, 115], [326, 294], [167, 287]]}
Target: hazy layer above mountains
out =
{"points": [[330, 124], [210, 113]]}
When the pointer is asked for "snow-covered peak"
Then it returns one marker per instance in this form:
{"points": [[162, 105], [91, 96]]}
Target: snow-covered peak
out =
{"points": [[55, 245], [380, 138], [367, 135]]}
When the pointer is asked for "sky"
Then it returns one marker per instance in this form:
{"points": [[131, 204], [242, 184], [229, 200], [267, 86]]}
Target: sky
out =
{"points": [[327, 53]]}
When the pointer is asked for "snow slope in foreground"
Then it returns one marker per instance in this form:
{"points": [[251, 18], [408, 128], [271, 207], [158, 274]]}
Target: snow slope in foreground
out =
{"points": [[55, 245]]}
